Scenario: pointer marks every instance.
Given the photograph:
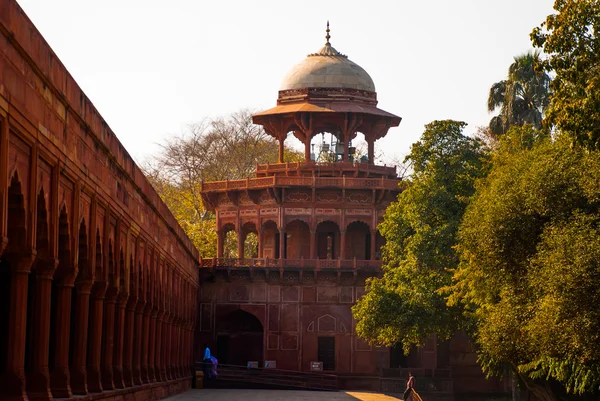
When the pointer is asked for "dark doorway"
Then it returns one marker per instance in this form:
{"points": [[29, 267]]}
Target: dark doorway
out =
{"points": [[397, 357], [326, 352], [239, 338], [222, 351]]}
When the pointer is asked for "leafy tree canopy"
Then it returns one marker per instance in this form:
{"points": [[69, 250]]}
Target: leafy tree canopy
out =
{"points": [[405, 305], [529, 271], [570, 39]]}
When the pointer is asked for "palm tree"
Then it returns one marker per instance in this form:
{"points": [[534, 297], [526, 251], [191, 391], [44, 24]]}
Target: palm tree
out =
{"points": [[522, 98]]}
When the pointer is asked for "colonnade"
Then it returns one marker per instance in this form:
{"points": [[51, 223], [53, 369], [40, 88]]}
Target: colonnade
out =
{"points": [[313, 239]]}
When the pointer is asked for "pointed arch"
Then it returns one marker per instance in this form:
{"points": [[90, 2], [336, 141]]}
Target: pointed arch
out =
{"points": [[16, 229], [328, 240], [99, 273], [83, 262], [42, 241], [358, 240]]}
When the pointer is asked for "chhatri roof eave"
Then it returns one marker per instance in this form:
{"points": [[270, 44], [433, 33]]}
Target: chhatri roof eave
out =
{"points": [[333, 107]]}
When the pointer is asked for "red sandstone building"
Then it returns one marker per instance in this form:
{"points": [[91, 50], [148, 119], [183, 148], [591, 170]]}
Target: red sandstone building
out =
{"points": [[316, 228], [97, 280]]}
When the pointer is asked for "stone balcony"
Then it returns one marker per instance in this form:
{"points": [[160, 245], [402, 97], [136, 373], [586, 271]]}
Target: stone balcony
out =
{"points": [[300, 181]]}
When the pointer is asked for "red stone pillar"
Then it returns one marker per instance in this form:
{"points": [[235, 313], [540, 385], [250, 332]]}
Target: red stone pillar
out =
{"points": [[281, 243], [170, 346], [137, 343], [371, 150], [307, 149], [343, 244], [145, 342], [119, 340], [373, 243], [281, 149], [158, 360], [80, 338], [60, 375], [38, 379], [165, 346], [240, 243], [152, 373], [128, 341], [108, 334], [94, 377], [220, 243], [313, 244], [261, 234]]}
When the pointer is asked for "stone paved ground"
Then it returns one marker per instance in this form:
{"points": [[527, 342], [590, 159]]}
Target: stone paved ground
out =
{"points": [[276, 395]]}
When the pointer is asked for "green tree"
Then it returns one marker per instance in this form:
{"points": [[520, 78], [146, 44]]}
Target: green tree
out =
{"points": [[570, 39], [405, 305], [529, 271], [522, 97]]}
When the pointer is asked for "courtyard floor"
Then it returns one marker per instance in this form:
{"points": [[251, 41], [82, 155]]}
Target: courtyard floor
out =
{"points": [[275, 395]]}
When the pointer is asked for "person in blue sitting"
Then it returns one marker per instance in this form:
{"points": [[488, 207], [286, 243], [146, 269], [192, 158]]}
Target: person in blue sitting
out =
{"points": [[206, 362]]}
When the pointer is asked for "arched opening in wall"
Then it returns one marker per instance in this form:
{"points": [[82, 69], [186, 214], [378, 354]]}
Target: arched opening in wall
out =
{"points": [[328, 240], [293, 149], [82, 274], [297, 240], [64, 257], [230, 240], [239, 338], [42, 248], [270, 246], [358, 241], [16, 241], [327, 146], [250, 238], [358, 149]]}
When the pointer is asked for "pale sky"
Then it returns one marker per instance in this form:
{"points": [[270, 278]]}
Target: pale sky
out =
{"points": [[153, 67]]}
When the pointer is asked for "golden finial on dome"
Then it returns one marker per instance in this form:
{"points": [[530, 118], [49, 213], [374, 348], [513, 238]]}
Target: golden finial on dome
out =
{"points": [[327, 30]]}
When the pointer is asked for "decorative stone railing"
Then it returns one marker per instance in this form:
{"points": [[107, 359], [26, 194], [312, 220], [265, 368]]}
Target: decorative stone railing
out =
{"points": [[262, 169], [312, 264], [317, 182]]}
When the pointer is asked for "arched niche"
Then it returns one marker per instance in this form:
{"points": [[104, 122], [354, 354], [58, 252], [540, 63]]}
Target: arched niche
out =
{"points": [[249, 234], [270, 239], [297, 240], [358, 241], [328, 240]]}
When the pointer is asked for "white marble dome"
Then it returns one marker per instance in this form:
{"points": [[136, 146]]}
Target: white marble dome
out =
{"points": [[327, 68]]}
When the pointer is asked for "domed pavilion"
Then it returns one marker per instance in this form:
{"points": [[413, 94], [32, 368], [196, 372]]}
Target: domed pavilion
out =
{"points": [[314, 224], [285, 302]]}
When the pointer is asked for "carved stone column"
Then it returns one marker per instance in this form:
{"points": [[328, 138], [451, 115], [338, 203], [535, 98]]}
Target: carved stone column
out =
{"points": [[119, 340], [60, 376], [342, 244], [240, 243], [38, 379], [261, 234], [80, 338], [220, 243], [281, 243], [128, 341], [94, 377], [313, 244], [145, 342], [158, 360], [108, 335], [137, 343], [152, 372]]}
